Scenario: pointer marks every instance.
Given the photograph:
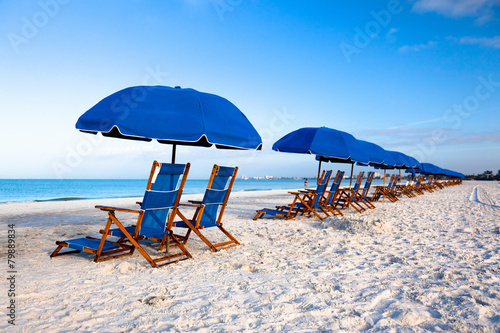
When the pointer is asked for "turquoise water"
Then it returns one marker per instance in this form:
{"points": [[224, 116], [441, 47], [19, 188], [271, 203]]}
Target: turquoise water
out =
{"points": [[15, 190], [22, 190]]}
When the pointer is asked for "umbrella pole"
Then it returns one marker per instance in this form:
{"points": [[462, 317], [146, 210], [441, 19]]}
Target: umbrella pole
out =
{"points": [[319, 172], [383, 197], [174, 146], [352, 169]]}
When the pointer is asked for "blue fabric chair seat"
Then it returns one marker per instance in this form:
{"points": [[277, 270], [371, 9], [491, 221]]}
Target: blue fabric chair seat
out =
{"points": [[146, 232], [93, 244], [275, 212], [182, 224]]}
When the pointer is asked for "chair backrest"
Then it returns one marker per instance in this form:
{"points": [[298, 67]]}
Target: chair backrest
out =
{"points": [[358, 181], [368, 183], [392, 182], [217, 194], [335, 186], [163, 193], [320, 189]]}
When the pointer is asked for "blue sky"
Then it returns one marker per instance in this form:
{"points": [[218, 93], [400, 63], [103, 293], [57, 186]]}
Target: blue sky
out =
{"points": [[421, 77]]}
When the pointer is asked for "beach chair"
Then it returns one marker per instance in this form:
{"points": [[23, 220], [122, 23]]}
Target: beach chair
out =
{"points": [[210, 210], [350, 197], [155, 218], [333, 193], [429, 186], [418, 187], [438, 183], [305, 202], [363, 196], [386, 191], [405, 189], [411, 186]]}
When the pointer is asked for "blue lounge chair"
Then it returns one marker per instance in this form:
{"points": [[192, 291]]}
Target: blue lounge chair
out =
{"points": [[210, 210], [418, 188], [155, 217], [333, 194], [349, 197], [305, 202], [405, 189], [388, 191], [363, 196]]}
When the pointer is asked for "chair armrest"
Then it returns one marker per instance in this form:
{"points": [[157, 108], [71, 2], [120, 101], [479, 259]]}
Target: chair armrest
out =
{"points": [[127, 210], [198, 202], [293, 192], [139, 202], [190, 205]]}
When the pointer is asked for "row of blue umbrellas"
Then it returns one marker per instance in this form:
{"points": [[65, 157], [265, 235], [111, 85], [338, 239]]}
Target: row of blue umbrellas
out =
{"points": [[188, 117], [331, 145], [431, 169]]}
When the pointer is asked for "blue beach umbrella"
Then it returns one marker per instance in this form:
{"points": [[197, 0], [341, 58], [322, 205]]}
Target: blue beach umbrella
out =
{"points": [[403, 161], [171, 116], [327, 144], [337, 146], [378, 156], [430, 169]]}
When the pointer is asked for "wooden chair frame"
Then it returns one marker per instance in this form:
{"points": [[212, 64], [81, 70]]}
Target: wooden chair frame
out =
{"points": [[304, 202], [136, 237], [349, 196], [194, 224]]}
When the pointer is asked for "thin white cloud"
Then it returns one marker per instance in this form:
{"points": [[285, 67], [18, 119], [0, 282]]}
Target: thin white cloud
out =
{"points": [[418, 123], [408, 137], [458, 8], [483, 41], [391, 35], [416, 48]]}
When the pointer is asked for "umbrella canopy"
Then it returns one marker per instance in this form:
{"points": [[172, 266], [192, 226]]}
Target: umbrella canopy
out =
{"points": [[332, 145], [379, 157], [173, 116], [403, 161], [328, 144], [431, 169]]}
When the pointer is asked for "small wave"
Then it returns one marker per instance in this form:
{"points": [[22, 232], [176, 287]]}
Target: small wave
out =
{"points": [[59, 199], [257, 189]]}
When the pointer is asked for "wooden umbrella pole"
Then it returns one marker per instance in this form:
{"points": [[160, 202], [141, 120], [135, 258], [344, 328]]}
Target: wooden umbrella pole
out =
{"points": [[319, 172], [174, 146], [385, 170], [352, 169]]}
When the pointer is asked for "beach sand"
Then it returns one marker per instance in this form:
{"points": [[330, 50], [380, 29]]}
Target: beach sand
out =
{"points": [[429, 263]]}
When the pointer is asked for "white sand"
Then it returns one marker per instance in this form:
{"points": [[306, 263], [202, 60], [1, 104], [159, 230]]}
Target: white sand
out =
{"points": [[429, 263]]}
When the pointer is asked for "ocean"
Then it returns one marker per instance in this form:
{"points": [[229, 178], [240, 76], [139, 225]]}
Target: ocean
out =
{"points": [[23, 190]]}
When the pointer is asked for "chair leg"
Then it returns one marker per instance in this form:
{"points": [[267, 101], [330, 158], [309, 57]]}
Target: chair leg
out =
{"points": [[213, 247], [59, 248], [152, 262], [258, 215]]}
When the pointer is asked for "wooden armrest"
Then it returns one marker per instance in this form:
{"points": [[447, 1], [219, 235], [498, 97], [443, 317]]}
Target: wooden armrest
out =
{"points": [[190, 205], [292, 192], [107, 208], [139, 202], [195, 201]]}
